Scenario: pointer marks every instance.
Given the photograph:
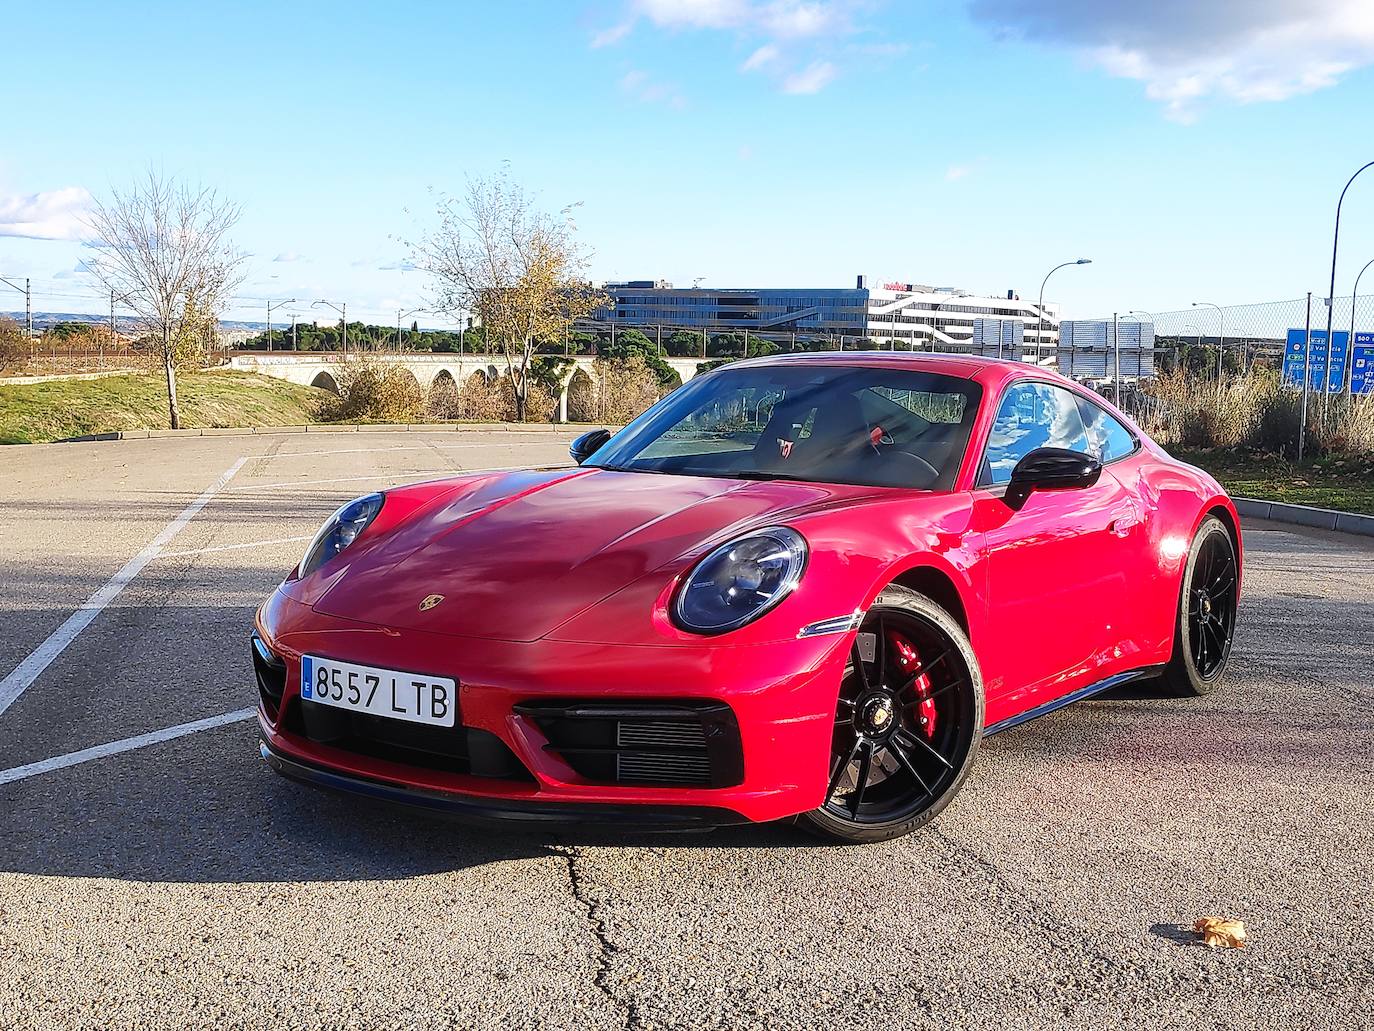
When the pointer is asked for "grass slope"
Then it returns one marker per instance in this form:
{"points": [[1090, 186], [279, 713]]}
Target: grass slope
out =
{"points": [[38, 412], [1344, 483]]}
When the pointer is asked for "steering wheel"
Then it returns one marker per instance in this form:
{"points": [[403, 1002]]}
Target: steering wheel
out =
{"points": [[883, 445], [931, 474]]}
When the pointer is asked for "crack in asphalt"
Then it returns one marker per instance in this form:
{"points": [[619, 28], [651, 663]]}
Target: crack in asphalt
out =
{"points": [[1021, 907], [606, 949]]}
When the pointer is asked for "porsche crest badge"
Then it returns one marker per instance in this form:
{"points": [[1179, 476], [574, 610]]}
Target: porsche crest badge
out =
{"points": [[430, 602]]}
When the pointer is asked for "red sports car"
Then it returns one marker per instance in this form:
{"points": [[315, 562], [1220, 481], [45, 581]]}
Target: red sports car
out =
{"points": [[801, 586]]}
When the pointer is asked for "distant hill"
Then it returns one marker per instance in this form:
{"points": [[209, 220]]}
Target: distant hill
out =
{"points": [[123, 323]]}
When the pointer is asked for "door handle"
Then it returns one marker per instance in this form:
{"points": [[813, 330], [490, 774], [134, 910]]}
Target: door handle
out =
{"points": [[1121, 525]]}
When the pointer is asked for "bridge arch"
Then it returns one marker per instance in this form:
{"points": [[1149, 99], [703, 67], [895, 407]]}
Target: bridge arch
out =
{"points": [[581, 394], [324, 380]]}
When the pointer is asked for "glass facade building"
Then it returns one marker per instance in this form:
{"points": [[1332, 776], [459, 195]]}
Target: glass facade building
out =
{"points": [[898, 314]]}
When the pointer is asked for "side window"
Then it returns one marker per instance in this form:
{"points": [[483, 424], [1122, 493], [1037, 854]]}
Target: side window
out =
{"points": [[1108, 440], [1032, 415]]}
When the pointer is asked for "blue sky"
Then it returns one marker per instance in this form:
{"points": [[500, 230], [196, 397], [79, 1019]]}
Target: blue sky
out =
{"points": [[1193, 150]]}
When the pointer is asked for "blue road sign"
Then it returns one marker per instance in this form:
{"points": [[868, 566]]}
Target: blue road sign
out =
{"points": [[1320, 370], [1362, 364]]}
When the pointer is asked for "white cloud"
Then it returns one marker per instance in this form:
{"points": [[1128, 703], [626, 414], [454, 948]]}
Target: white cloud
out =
{"points": [[694, 14], [75, 272], [644, 88], [613, 35], [288, 256], [811, 79], [764, 55], [403, 265], [793, 19], [956, 172], [52, 215], [1186, 53]]}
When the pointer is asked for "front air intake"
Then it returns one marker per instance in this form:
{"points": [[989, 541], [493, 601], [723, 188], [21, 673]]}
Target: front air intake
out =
{"points": [[675, 744]]}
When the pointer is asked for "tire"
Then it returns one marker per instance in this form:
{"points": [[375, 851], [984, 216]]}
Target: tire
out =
{"points": [[923, 748], [1205, 629]]}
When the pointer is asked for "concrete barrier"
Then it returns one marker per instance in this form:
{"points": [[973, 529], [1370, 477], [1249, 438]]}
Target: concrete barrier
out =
{"points": [[1307, 515]]}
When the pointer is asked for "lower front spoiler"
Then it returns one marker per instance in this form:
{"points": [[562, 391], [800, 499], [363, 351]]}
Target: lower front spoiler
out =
{"points": [[505, 812]]}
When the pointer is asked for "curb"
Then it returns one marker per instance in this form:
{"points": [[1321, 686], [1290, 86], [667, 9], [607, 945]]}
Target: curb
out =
{"points": [[58, 377], [1306, 515], [324, 427]]}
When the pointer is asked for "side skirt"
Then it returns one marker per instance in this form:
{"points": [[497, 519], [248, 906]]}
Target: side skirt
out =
{"points": [[1073, 696]]}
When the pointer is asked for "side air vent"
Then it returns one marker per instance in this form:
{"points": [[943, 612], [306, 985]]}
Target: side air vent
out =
{"points": [[270, 671], [673, 744]]}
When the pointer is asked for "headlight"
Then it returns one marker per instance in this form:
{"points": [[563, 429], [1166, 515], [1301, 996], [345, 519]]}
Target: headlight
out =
{"points": [[740, 581], [339, 531]]}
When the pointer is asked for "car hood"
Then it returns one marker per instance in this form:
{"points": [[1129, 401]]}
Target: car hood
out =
{"points": [[516, 555]]}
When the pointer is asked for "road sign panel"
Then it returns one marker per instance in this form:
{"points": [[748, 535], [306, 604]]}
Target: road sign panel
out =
{"points": [[1321, 366]]}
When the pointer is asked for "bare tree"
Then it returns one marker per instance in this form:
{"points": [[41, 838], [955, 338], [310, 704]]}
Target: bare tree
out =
{"points": [[164, 248], [519, 270]]}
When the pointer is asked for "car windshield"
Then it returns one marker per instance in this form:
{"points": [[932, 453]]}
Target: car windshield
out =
{"points": [[872, 426]]}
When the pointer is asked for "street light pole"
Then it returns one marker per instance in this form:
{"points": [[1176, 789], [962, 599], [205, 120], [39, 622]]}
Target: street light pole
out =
{"points": [[400, 315], [1349, 381], [343, 314], [1331, 293], [270, 309], [1040, 328], [1221, 335]]}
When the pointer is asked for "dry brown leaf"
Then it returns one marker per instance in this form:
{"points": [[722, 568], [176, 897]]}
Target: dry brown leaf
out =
{"points": [[1219, 932]]}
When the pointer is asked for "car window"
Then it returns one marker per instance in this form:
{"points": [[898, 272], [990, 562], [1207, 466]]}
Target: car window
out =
{"points": [[1108, 440], [881, 426], [1031, 415]]}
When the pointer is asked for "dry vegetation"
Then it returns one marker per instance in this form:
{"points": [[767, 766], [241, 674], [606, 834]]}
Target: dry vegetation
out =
{"points": [[616, 392], [1256, 412]]}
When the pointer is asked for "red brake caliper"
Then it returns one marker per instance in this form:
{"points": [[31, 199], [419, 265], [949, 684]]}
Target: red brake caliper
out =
{"points": [[909, 662]]}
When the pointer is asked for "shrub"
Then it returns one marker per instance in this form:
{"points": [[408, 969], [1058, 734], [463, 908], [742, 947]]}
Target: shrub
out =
{"points": [[488, 400], [373, 391]]}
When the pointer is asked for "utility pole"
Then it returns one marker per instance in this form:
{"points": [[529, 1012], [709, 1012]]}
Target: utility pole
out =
{"points": [[293, 332], [28, 307]]}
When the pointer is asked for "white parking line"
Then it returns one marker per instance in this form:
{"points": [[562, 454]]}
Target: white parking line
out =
{"points": [[32, 666], [233, 547], [61, 762]]}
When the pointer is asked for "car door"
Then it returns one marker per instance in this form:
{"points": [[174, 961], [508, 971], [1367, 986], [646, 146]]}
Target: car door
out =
{"points": [[1055, 577]]}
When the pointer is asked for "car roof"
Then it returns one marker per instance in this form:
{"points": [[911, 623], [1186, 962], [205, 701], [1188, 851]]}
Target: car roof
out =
{"points": [[990, 372]]}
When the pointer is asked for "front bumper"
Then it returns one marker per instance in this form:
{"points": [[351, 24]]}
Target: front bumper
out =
{"points": [[471, 809], [781, 697]]}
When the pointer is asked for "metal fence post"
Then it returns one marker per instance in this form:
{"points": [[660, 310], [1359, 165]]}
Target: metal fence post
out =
{"points": [[1306, 375]]}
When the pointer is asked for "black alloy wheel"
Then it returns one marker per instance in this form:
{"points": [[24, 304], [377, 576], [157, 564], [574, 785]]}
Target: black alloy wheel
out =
{"points": [[907, 724], [1207, 611]]}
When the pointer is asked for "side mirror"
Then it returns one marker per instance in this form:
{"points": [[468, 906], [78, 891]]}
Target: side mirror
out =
{"points": [[584, 446], [1051, 468]]}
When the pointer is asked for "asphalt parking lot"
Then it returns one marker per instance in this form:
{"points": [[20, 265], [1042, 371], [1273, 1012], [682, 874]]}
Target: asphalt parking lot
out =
{"points": [[179, 883]]}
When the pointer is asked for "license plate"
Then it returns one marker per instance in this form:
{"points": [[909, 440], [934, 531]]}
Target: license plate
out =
{"points": [[413, 697]]}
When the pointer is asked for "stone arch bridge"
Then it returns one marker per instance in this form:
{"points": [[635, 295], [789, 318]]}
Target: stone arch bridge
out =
{"points": [[319, 368]]}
